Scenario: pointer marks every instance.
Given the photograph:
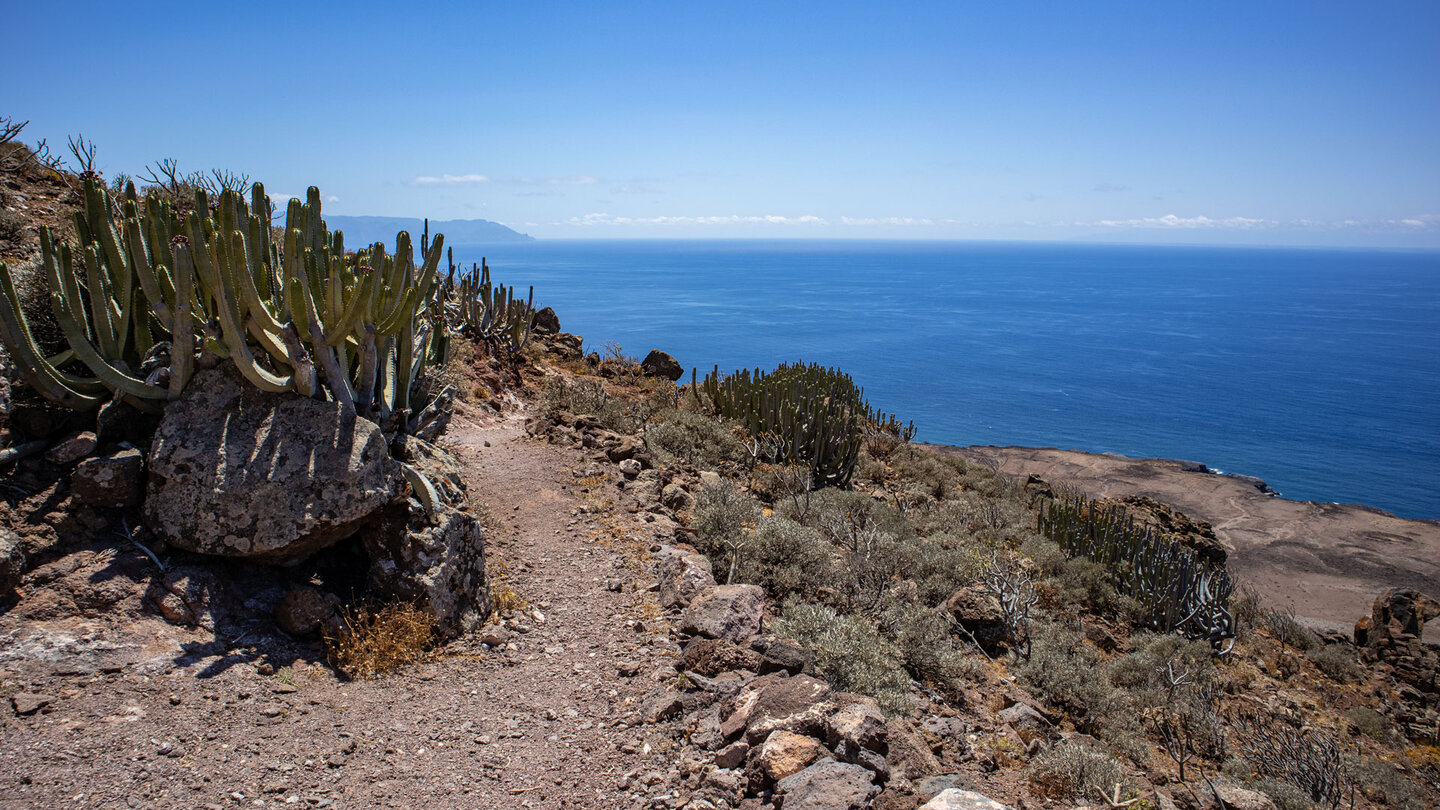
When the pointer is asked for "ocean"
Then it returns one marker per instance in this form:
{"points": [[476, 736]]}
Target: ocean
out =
{"points": [[1316, 370]]}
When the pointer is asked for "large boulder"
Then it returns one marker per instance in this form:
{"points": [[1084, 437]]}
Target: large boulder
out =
{"points": [[660, 364], [546, 322], [827, 785], [798, 704], [978, 613], [237, 472], [1400, 612], [437, 563], [731, 612]]}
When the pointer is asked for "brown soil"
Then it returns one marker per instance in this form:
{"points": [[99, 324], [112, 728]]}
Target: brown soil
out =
{"points": [[1329, 561], [141, 713]]}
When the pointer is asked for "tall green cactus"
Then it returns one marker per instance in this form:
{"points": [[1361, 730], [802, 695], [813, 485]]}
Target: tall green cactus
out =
{"points": [[812, 413], [301, 316], [488, 312], [1177, 590]]}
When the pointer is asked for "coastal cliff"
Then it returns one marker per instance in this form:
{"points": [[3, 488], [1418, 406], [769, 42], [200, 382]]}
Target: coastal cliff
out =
{"points": [[1326, 560]]}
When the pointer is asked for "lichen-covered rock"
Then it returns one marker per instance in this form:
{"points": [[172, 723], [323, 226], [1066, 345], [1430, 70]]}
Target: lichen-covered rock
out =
{"points": [[957, 799], [909, 755], [546, 322], [712, 656], [237, 472], [438, 564], [781, 655], [1236, 797], [978, 613], [72, 448], [677, 498], [12, 561], [827, 785], [860, 723], [1400, 612], [683, 577], [731, 612], [796, 704], [116, 480]]}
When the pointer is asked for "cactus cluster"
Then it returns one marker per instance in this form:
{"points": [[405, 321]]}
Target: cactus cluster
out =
{"points": [[1176, 590], [490, 313], [801, 414], [154, 292]]}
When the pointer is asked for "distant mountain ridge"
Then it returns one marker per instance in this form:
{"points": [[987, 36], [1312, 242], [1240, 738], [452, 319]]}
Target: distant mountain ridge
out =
{"points": [[361, 231]]}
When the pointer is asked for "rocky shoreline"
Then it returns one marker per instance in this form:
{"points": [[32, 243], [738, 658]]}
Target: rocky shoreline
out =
{"points": [[1326, 560]]}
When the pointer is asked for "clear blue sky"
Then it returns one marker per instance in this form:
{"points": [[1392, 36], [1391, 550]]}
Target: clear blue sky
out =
{"points": [[1253, 122]]}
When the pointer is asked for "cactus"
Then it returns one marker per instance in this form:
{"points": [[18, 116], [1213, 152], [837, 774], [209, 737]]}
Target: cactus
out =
{"points": [[1177, 591], [301, 316], [481, 310], [813, 414]]}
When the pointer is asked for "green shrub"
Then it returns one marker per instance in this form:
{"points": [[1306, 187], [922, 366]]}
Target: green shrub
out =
{"points": [[927, 646], [1337, 661], [1388, 787], [933, 474], [1049, 560], [1064, 671], [722, 513], [943, 564], [1086, 583], [1288, 630], [1285, 795], [1371, 723], [785, 557], [1072, 771], [849, 651], [695, 439]]}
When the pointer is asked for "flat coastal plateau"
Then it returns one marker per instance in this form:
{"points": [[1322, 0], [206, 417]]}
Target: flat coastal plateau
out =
{"points": [[1329, 561]]}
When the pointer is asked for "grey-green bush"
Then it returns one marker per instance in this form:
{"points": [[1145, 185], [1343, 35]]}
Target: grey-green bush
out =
{"points": [[849, 651], [695, 439]]}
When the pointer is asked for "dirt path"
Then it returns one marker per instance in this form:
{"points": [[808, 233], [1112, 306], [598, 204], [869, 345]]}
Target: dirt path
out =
{"points": [[550, 723]]}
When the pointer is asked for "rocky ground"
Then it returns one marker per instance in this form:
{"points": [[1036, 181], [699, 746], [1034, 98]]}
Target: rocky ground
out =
{"points": [[126, 710], [1326, 560]]}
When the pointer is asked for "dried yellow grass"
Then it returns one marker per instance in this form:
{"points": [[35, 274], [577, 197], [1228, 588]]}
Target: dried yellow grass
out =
{"points": [[371, 643]]}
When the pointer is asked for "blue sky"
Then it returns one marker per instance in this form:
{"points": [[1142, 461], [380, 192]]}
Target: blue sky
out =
{"points": [[1249, 123]]}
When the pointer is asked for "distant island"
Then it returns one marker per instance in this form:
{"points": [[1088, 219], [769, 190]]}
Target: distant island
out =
{"points": [[360, 231]]}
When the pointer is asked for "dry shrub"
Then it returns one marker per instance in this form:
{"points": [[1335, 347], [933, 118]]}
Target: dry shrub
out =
{"points": [[696, 439], [371, 643], [504, 597], [1337, 661], [849, 651], [1072, 771]]}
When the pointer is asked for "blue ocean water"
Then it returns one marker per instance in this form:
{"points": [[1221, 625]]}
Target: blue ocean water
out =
{"points": [[1317, 370]]}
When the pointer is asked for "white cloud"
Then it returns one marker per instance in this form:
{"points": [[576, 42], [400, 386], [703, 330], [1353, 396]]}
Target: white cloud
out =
{"points": [[887, 221], [733, 219], [450, 180], [1422, 221], [578, 180], [332, 198], [482, 179], [1173, 221]]}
